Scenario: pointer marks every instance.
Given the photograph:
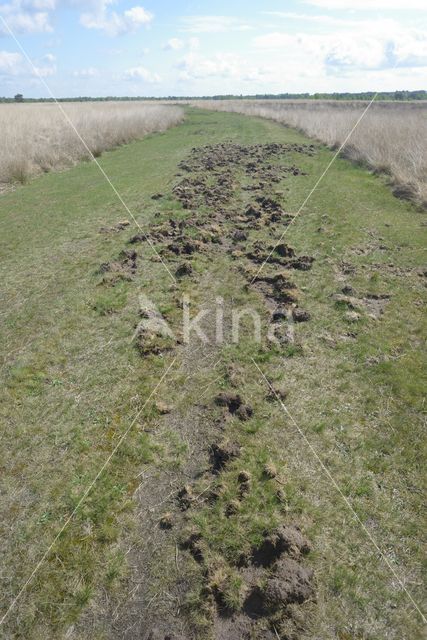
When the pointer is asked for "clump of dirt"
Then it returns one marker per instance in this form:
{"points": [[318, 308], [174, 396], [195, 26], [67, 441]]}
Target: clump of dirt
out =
{"points": [[235, 405], [221, 454], [244, 477], [373, 304], [169, 229], [123, 268], [272, 211], [184, 246], [244, 412], [184, 269], [289, 583], [193, 544], [277, 289], [244, 480], [300, 315], [128, 259], [270, 470], [232, 508], [230, 400], [277, 392], [285, 251], [369, 248], [302, 263], [185, 497], [280, 314], [281, 254], [376, 304], [139, 237], [239, 236], [162, 407], [166, 521], [285, 539], [252, 211], [120, 226], [152, 335]]}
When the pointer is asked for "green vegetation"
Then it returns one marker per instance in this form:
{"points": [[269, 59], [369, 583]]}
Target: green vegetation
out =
{"points": [[74, 383]]}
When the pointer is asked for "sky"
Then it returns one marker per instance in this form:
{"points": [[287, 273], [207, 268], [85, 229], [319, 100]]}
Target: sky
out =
{"points": [[172, 47]]}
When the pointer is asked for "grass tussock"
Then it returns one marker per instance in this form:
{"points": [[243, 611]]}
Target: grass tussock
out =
{"points": [[37, 138], [390, 138]]}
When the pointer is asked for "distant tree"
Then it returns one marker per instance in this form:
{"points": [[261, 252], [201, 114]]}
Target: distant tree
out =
{"points": [[19, 97]]}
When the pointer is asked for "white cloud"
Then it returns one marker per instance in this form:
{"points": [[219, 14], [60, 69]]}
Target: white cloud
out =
{"points": [[112, 23], [222, 65], [174, 44], [368, 45], [45, 66], [289, 42], [410, 48], [10, 63], [197, 67], [361, 53], [319, 19], [364, 5], [213, 24], [44, 72], [14, 64], [39, 5], [21, 17], [138, 16], [141, 73], [194, 44], [90, 72]]}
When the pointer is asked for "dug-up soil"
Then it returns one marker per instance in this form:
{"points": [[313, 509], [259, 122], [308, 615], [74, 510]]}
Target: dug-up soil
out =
{"points": [[229, 193]]}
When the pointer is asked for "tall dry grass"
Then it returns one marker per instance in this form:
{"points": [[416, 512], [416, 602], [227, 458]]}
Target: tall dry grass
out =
{"points": [[36, 138], [391, 138]]}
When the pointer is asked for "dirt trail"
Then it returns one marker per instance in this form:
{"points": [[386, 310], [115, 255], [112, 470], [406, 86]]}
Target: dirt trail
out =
{"points": [[229, 193]]}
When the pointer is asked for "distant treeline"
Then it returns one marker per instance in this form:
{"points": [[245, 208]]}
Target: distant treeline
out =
{"points": [[365, 95]]}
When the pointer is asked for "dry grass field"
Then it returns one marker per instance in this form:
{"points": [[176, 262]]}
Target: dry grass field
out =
{"points": [[390, 139], [37, 138]]}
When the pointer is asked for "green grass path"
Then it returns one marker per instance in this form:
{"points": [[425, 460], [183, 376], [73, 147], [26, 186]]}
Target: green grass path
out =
{"points": [[71, 383]]}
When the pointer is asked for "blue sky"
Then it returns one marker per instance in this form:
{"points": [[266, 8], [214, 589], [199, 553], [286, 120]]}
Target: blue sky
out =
{"points": [[165, 47]]}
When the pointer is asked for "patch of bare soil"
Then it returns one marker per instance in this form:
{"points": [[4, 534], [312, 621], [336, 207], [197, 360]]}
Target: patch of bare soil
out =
{"points": [[217, 224]]}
